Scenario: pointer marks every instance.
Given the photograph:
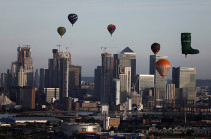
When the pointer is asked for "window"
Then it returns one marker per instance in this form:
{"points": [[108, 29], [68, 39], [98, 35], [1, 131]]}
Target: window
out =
{"points": [[83, 129]]}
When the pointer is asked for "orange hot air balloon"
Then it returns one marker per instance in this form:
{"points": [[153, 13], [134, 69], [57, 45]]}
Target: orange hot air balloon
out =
{"points": [[162, 66], [155, 47]]}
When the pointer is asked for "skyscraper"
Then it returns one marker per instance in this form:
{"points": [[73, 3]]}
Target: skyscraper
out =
{"points": [[9, 78], [36, 79], [63, 59], [125, 70], [116, 89], [51, 94], [58, 72], [128, 73], [106, 79], [21, 77], [74, 81], [159, 82], [123, 87], [185, 78], [53, 70], [127, 51], [22, 70], [14, 73], [4, 81], [74, 77], [146, 82], [170, 92], [44, 79], [120, 62], [25, 62], [97, 80], [28, 99]]}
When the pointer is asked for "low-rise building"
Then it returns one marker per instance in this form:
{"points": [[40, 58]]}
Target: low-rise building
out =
{"points": [[71, 129], [17, 120]]}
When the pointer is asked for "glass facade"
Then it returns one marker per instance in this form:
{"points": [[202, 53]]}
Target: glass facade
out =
{"points": [[185, 78]]}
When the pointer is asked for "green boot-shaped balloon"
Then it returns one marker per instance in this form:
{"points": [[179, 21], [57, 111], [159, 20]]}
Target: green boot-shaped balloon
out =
{"points": [[186, 44]]}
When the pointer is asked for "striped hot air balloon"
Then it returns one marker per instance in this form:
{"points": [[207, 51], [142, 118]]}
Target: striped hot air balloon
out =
{"points": [[72, 18], [162, 66]]}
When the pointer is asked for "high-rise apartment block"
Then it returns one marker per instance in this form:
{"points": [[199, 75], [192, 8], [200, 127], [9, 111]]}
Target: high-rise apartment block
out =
{"points": [[185, 79]]}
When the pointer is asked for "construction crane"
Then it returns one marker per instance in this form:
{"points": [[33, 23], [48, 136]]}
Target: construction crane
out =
{"points": [[66, 48], [104, 48], [27, 45], [59, 45]]}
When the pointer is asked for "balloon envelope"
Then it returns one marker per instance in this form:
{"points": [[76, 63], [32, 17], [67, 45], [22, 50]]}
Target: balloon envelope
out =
{"points": [[186, 44], [61, 31], [72, 18], [155, 47], [162, 66], [111, 28]]}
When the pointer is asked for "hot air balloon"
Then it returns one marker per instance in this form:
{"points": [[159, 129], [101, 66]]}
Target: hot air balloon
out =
{"points": [[162, 66], [61, 31], [186, 44], [72, 18], [111, 28], [155, 47]]}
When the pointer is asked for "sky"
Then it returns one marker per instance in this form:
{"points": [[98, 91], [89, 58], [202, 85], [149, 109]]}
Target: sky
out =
{"points": [[139, 23]]}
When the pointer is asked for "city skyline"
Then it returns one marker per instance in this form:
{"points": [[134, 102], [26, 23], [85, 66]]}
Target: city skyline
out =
{"points": [[139, 24]]}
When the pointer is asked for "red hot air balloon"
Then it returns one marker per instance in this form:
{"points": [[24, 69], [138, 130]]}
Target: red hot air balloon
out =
{"points": [[155, 47], [162, 66]]}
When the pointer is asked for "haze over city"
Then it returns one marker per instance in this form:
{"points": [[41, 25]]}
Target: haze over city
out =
{"points": [[138, 25]]}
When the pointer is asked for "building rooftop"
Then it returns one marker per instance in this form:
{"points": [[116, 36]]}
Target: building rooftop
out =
{"points": [[28, 119], [126, 50]]}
